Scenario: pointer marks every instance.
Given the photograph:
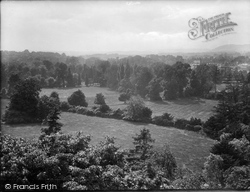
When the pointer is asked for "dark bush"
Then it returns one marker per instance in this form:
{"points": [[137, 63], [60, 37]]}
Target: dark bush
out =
{"points": [[90, 113], [124, 97], [17, 117], [195, 121], [147, 112], [104, 108], [81, 110], [95, 107], [72, 109], [164, 120], [65, 106], [78, 99], [117, 114], [181, 123]]}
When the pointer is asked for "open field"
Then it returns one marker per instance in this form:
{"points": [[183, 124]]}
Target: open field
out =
{"points": [[189, 148], [182, 108]]}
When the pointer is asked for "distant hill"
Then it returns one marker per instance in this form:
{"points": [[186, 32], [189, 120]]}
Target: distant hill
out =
{"points": [[232, 48]]}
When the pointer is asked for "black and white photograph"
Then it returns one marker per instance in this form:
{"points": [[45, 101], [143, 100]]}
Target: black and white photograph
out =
{"points": [[125, 95]]}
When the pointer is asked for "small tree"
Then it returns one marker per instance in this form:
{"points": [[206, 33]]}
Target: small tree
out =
{"points": [[54, 126], [78, 99], [99, 99], [137, 111], [143, 143]]}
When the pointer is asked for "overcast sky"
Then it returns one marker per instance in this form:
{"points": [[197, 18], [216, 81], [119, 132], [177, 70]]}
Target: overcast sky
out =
{"points": [[107, 26]]}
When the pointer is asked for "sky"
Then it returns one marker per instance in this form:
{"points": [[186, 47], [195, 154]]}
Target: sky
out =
{"points": [[112, 26]]}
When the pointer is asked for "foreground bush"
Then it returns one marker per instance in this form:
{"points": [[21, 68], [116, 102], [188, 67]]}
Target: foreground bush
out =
{"points": [[71, 163], [77, 99]]}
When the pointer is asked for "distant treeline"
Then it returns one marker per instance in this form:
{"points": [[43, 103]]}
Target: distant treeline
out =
{"points": [[154, 77]]}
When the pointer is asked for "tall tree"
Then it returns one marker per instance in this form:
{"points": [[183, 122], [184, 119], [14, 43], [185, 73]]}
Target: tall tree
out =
{"points": [[70, 79], [182, 72], [154, 88], [61, 73], [143, 78]]}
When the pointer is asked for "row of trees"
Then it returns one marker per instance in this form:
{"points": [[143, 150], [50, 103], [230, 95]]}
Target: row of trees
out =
{"points": [[147, 76]]}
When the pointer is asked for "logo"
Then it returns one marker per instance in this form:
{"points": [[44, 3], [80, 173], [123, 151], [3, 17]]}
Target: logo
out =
{"points": [[211, 28]]}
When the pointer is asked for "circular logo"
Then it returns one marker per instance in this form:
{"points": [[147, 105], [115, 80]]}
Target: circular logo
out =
{"points": [[7, 186]]}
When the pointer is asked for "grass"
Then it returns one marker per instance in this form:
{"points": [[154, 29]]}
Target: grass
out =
{"points": [[189, 148], [182, 108]]}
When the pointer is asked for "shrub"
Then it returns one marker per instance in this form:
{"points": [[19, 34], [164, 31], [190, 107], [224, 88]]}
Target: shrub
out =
{"points": [[78, 99], [164, 160], [164, 120], [136, 110], [81, 110], [104, 108], [181, 123], [72, 109], [65, 106], [117, 114], [90, 113], [17, 117], [146, 112], [237, 177], [195, 121], [99, 99], [124, 97]]}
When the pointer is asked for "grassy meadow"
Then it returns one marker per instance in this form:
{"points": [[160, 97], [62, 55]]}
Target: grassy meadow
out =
{"points": [[189, 148]]}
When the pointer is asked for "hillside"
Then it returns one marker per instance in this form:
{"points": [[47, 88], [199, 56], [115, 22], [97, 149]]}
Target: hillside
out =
{"points": [[232, 48]]}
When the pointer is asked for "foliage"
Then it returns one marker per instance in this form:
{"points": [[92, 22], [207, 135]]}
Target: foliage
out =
{"points": [[124, 96], [142, 143], [46, 105], [181, 123], [99, 99], [163, 160], [164, 120], [170, 90], [77, 98], [104, 108], [154, 89], [136, 110], [24, 101], [143, 77], [64, 106], [213, 172], [124, 85]]}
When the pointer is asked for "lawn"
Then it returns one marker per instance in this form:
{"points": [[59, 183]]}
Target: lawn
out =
{"points": [[189, 148]]}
